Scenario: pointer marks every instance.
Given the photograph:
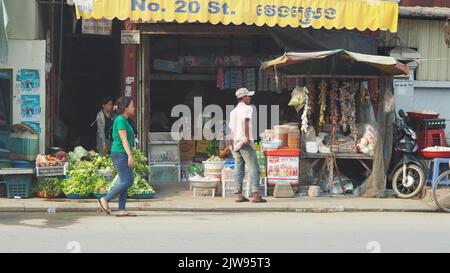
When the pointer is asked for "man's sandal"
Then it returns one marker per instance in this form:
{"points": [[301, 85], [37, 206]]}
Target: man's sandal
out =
{"points": [[243, 199], [259, 200]]}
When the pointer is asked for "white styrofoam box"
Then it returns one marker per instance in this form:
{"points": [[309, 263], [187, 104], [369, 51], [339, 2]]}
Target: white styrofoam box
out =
{"points": [[228, 188], [312, 147]]}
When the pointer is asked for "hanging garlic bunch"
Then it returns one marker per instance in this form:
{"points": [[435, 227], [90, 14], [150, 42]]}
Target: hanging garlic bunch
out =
{"points": [[344, 98], [304, 127], [323, 102], [334, 105], [311, 97], [352, 117]]}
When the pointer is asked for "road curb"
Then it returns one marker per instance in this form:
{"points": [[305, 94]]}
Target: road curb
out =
{"points": [[227, 210]]}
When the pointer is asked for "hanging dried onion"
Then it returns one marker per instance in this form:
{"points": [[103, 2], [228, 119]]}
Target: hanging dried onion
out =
{"points": [[323, 102], [352, 117], [311, 98]]}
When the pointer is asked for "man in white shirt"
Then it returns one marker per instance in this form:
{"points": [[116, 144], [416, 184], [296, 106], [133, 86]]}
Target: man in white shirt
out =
{"points": [[243, 146]]}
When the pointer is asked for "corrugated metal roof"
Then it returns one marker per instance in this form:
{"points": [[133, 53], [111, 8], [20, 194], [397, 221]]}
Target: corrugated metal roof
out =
{"points": [[429, 39], [425, 3]]}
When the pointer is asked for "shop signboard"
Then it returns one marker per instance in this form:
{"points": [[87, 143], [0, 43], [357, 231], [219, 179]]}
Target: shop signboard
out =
{"points": [[338, 14], [283, 169], [98, 27], [130, 37]]}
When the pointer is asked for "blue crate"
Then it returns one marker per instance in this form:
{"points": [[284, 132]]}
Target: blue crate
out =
{"points": [[18, 185]]}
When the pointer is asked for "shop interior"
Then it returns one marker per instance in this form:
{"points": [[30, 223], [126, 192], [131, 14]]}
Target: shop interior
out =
{"points": [[200, 58], [91, 67]]}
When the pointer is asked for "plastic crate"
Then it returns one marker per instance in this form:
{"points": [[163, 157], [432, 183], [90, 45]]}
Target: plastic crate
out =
{"points": [[18, 185], [52, 171]]}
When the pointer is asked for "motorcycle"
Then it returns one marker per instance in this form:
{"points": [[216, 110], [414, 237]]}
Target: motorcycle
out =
{"points": [[408, 175]]}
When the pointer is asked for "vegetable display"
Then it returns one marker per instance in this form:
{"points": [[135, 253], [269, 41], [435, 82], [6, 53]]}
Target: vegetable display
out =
{"points": [[83, 179], [140, 186], [50, 161], [90, 172]]}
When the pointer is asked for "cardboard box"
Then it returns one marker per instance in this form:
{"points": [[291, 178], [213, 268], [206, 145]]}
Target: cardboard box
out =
{"points": [[201, 146], [187, 150]]}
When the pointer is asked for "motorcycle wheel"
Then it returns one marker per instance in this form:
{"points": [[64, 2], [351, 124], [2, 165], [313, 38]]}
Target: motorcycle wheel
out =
{"points": [[415, 181]]}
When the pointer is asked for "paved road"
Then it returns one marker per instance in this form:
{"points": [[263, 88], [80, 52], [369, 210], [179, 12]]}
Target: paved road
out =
{"points": [[225, 232]]}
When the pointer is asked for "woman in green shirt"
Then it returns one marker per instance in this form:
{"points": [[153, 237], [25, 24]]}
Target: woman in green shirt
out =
{"points": [[123, 137]]}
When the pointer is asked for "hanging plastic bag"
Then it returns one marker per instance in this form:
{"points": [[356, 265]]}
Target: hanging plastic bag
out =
{"points": [[298, 97], [114, 183], [366, 113]]}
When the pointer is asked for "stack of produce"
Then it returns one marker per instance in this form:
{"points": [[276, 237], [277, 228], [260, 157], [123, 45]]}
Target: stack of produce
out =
{"points": [[59, 159], [91, 173]]}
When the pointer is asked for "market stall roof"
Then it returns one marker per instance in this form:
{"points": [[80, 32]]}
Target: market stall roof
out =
{"points": [[338, 14], [337, 62]]}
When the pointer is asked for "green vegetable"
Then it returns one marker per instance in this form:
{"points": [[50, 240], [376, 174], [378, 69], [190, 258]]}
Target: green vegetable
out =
{"points": [[50, 185], [140, 186], [78, 153], [141, 163], [90, 172], [84, 179]]}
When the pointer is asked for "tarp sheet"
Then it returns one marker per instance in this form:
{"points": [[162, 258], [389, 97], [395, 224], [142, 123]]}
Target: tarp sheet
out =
{"points": [[336, 62]]}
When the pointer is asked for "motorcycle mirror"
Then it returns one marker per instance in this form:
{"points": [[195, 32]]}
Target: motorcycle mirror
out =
{"points": [[402, 114]]}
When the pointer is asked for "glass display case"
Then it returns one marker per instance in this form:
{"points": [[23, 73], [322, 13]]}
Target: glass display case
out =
{"points": [[164, 158]]}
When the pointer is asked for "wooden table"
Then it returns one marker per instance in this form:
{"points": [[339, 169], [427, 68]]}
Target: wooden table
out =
{"points": [[331, 165]]}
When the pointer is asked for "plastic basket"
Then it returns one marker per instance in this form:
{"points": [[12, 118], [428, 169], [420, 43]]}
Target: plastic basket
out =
{"points": [[18, 185], [271, 145], [149, 195], [436, 154], [78, 196], [99, 195]]}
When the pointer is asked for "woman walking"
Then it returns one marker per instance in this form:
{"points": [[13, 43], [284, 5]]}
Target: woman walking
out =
{"points": [[121, 155]]}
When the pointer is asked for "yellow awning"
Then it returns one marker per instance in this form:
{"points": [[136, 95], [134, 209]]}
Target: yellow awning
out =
{"points": [[338, 14]]}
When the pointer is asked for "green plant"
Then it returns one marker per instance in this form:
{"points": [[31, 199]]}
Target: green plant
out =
{"points": [[50, 185], [213, 148]]}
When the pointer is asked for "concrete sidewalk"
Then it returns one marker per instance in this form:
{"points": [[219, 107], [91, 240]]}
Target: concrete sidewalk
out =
{"points": [[176, 197]]}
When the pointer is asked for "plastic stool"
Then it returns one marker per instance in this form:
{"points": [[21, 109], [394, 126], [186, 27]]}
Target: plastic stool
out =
{"points": [[434, 172]]}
